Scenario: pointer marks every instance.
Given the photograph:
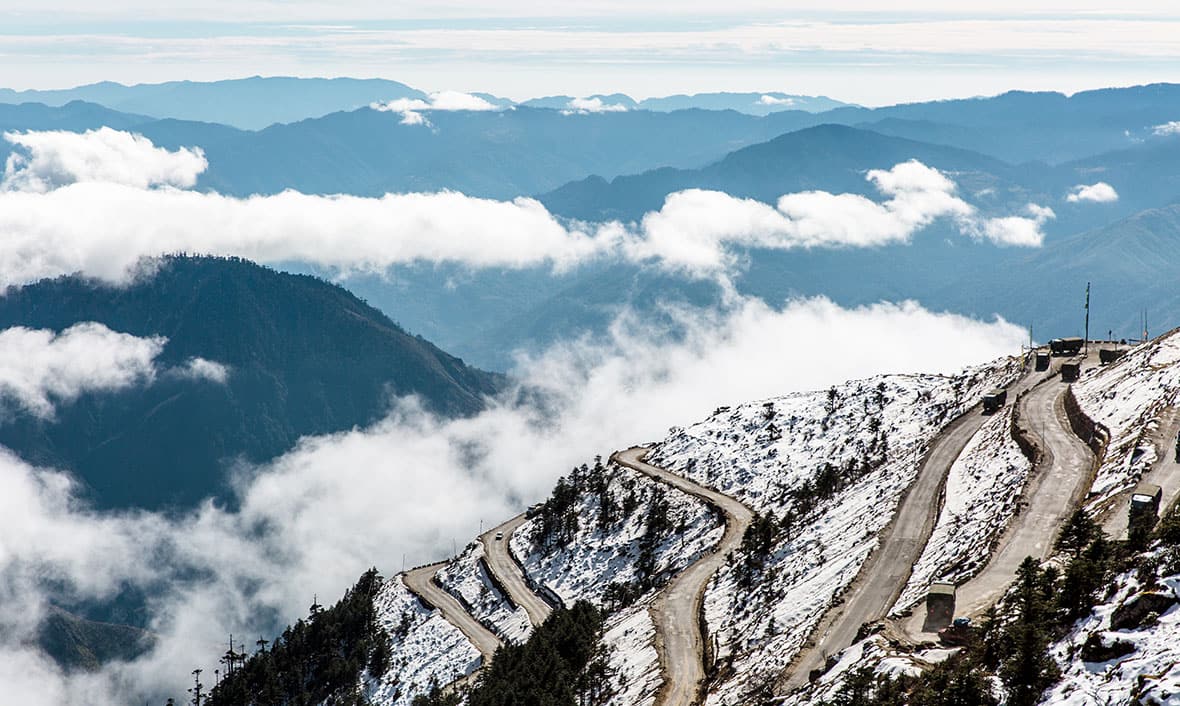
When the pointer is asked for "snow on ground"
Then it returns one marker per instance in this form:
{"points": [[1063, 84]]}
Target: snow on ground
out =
{"points": [[983, 490], [630, 636], [597, 554], [1127, 397], [1149, 675], [873, 651], [772, 455], [427, 650], [467, 579]]}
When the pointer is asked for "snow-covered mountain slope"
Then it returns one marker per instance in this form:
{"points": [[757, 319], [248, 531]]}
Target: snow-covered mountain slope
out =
{"points": [[610, 535], [1129, 398], [1149, 671], [1126, 649], [826, 471], [613, 536]]}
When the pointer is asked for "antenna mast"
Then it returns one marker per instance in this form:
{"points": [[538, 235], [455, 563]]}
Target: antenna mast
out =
{"points": [[1087, 318]]}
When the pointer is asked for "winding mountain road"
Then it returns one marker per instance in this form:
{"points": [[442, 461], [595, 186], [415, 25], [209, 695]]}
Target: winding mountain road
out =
{"points": [[1051, 496], [677, 608], [509, 572], [1056, 486], [421, 582], [883, 577]]}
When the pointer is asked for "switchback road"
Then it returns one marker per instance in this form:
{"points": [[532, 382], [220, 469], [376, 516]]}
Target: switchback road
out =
{"points": [[1055, 488], [1054, 491], [509, 573], [421, 582], [678, 606], [883, 577]]}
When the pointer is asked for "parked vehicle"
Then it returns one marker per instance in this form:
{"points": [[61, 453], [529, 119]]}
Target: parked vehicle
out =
{"points": [[1066, 346]]}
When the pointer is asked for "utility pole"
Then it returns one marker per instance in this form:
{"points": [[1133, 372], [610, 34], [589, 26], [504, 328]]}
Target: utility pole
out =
{"points": [[1087, 318]]}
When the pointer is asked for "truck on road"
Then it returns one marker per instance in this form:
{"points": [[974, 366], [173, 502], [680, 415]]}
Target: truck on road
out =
{"points": [[994, 400]]}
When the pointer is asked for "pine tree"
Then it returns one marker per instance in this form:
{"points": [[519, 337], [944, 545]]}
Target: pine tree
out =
{"points": [[1028, 669], [1078, 532]]}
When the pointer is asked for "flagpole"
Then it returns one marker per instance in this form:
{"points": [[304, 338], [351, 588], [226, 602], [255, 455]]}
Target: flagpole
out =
{"points": [[1087, 318]]}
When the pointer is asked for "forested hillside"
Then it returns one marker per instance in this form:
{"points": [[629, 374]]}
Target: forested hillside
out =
{"points": [[303, 357]]}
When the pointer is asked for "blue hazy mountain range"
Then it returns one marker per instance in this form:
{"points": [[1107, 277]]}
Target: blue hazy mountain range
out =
{"points": [[751, 103], [1003, 152], [257, 102], [249, 103]]}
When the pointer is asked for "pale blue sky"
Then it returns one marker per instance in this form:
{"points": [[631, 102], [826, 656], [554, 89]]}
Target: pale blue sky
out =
{"points": [[846, 49]]}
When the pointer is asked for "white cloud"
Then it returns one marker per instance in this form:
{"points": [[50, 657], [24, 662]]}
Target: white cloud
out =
{"points": [[74, 228], [583, 106], [1018, 231], [40, 369], [442, 100], [696, 230], [1166, 129], [1100, 192], [775, 100], [312, 520], [46, 160], [202, 369]]}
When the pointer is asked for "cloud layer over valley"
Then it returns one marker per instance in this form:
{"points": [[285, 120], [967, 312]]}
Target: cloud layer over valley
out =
{"points": [[40, 369], [61, 191]]}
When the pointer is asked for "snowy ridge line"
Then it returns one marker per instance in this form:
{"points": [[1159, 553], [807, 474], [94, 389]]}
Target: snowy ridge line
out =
{"points": [[682, 658]]}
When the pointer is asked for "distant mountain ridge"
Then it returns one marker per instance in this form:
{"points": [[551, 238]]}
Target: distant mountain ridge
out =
{"points": [[306, 357], [257, 102], [750, 103], [248, 103], [828, 157]]}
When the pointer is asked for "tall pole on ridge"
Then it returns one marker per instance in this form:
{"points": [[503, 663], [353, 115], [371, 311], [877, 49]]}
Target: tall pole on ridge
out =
{"points": [[1087, 317]]}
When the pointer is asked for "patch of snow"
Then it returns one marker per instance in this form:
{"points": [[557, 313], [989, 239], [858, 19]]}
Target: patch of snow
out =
{"points": [[598, 555], [630, 636], [427, 651], [1149, 675]]}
